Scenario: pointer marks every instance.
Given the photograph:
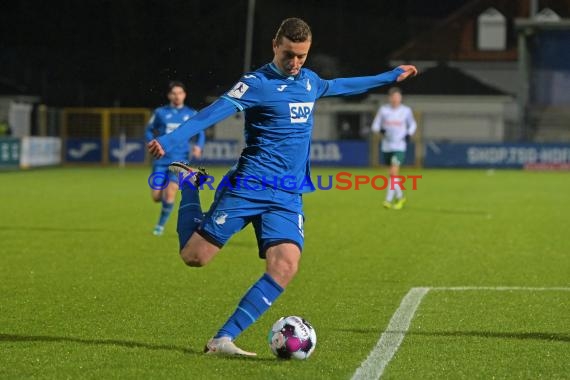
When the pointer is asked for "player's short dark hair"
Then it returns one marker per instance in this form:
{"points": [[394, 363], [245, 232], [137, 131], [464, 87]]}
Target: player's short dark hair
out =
{"points": [[394, 90], [176, 83], [294, 29]]}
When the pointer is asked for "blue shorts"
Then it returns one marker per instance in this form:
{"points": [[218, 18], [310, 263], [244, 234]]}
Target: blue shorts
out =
{"points": [[163, 168], [276, 215]]}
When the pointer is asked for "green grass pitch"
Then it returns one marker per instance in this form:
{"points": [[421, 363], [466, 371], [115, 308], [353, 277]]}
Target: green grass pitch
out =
{"points": [[88, 292]]}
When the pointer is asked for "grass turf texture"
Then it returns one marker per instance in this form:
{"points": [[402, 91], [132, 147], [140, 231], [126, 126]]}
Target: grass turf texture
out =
{"points": [[88, 292]]}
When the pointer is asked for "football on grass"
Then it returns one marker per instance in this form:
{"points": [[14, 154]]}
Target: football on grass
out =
{"points": [[292, 337]]}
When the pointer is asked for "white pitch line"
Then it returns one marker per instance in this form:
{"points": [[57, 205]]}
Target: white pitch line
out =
{"points": [[502, 288], [390, 340]]}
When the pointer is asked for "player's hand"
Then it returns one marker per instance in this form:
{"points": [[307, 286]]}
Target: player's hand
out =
{"points": [[155, 149], [383, 131], [408, 137], [409, 71], [196, 151]]}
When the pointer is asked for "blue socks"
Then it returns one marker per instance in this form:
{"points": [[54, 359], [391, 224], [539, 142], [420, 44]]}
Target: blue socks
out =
{"points": [[165, 212], [189, 214], [253, 304]]}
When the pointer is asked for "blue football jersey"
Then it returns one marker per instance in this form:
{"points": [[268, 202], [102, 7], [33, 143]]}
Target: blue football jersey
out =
{"points": [[279, 113], [165, 120]]}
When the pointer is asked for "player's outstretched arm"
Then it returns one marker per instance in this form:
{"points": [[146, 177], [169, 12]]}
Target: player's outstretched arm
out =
{"points": [[358, 85], [215, 112]]}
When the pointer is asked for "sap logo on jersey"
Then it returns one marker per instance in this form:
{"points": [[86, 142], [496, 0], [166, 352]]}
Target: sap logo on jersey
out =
{"points": [[300, 112]]}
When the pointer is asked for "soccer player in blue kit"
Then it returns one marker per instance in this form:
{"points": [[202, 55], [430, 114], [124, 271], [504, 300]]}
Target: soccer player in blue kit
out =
{"points": [[278, 100], [163, 121]]}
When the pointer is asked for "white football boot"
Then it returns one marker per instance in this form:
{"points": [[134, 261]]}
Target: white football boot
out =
{"points": [[225, 346]]}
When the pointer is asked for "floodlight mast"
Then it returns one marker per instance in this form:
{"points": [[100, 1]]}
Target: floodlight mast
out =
{"points": [[249, 36]]}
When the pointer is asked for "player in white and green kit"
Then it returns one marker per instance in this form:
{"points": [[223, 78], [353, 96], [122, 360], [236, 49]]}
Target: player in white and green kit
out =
{"points": [[396, 123]]}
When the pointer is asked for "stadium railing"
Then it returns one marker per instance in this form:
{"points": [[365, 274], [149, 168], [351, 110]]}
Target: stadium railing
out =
{"points": [[104, 135]]}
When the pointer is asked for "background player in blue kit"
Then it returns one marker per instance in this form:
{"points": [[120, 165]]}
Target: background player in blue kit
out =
{"points": [[165, 120], [278, 100]]}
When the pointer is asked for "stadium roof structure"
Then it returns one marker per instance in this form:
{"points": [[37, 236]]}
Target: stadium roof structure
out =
{"points": [[446, 80], [524, 23], [454, 38]]}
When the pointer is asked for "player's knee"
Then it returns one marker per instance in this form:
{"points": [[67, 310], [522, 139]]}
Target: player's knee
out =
{"points": [[283, 263], [198, 252], [193, 259], [290, 270], [286, 269]]}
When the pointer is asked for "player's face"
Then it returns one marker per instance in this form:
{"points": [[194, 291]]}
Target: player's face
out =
{"points": [[177, 96], [395, 99], [290, 56]]}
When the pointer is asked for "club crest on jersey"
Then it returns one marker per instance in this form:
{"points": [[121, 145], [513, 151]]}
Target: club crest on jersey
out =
{"points": [[238, 90], [300, 112], [220, 217]]}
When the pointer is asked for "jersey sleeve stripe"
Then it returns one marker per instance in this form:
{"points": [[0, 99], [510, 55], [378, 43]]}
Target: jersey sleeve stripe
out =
{"points": [[239, 106]]}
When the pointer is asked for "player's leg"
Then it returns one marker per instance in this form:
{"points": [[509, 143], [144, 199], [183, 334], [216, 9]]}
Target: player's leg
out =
{"points": [[166, 195], [201, 236], [228, 214], [190, 213], [280, 238], [397, 160], [282, 263], [160, 182], [198, 251], [390, 192], [168, 198], [156, 192], [156, 195]]}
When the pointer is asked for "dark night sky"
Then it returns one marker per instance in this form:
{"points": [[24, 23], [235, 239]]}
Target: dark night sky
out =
{"points": [[121, 52]]}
